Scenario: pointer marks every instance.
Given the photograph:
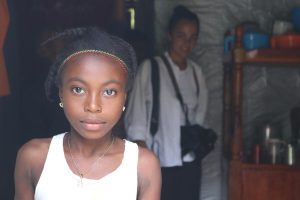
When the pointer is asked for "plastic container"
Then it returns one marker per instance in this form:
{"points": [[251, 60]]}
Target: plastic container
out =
{"points": [[282, 27], [287, 41], [255, 40], [229, 43], [296, 18]]}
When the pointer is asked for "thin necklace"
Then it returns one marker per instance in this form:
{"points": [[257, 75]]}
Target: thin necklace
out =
{"points": [[99, 157]]}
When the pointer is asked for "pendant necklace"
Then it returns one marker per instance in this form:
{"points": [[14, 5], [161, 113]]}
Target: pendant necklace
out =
{"points": [[99, 157]]}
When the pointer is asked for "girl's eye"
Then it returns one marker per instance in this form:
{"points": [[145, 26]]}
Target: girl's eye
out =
{"points": [[77, 90], [109, 92]]}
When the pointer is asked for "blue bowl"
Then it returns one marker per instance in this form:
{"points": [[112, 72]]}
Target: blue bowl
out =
{"points": [[296, 18], [256, 40]]}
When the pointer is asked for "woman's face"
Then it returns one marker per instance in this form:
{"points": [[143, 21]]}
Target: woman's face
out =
{"points": [[93, 93], [183, 38]]}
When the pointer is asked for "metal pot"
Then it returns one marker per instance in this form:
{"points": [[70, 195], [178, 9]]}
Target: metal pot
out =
{"points": [[276, 151]]}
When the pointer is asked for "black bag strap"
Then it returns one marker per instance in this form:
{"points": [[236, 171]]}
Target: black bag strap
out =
{"points": [[155, 92], [178, 94]]}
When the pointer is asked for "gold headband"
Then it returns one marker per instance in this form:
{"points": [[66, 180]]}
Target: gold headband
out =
{"points": [[95, 52]]}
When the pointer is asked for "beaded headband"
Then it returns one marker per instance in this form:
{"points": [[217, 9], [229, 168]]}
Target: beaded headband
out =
{"points": [[94, 52]]}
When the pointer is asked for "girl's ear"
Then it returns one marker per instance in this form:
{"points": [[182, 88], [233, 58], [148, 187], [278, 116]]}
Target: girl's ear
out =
{"points": [[60, 94]]}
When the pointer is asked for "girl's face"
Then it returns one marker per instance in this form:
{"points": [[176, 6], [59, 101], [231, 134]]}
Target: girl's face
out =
{"points": [[93, 93], [183, 38]]}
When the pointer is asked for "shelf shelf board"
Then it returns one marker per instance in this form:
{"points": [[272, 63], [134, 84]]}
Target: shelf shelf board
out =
{"points": [[286, 56], [270, 167]]}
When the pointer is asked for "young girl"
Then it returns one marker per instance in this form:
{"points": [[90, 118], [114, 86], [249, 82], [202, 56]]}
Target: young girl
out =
{"points": [[89, 162]]}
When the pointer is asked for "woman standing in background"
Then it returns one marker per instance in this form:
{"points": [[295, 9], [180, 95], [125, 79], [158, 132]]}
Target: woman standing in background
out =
{"points": [[181, 175]]}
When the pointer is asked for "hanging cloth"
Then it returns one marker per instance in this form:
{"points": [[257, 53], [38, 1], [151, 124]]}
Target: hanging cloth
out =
{"points": [[4, 21]]}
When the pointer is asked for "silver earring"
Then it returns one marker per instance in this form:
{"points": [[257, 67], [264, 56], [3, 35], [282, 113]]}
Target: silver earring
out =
{"points": [[61, 105], [124, 108]]}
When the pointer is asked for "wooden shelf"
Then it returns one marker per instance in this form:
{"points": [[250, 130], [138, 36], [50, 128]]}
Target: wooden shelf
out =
{"points": [[272, 56], [270, 167], [248, 180], [276, 182], [285, 56]]}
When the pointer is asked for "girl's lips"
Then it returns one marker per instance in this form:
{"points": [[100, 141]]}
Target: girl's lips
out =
{"points": [[92, 125]]}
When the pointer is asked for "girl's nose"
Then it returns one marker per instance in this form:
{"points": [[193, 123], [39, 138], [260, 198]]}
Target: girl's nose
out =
{"points": [[93, 104]]}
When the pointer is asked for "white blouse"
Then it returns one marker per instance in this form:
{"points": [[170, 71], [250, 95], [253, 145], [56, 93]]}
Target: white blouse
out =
{"points": [[166, 142]]}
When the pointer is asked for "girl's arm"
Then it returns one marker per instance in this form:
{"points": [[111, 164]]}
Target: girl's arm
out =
{"points": [[149, 176], [23, 177], [29, 164]]}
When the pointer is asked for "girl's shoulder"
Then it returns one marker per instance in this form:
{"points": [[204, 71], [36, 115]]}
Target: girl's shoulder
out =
{"points": [[32, 156], [35, 148], [147, 159], [149, 174]]}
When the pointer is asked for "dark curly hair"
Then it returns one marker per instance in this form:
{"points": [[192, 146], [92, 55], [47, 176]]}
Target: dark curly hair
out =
{"points": [[92, 39], [181, 12]]}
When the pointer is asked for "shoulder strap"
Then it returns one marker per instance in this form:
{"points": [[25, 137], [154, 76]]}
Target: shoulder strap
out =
{"points": [[178, 94], [155, 92], [172, 76], [196, 81]]}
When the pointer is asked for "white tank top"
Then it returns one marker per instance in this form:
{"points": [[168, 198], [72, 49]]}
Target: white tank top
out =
{"points": [[58, 182]]}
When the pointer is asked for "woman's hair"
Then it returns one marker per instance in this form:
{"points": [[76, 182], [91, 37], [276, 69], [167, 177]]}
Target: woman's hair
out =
{"points": [[181, 12], [92, 40]]}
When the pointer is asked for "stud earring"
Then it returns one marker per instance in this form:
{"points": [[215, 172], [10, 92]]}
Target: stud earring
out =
{"points": [[124, 108], [61, 105]]}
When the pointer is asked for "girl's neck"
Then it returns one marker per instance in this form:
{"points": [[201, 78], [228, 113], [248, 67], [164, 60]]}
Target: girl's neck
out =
{"points": [[180, 61], [88, 148]]}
